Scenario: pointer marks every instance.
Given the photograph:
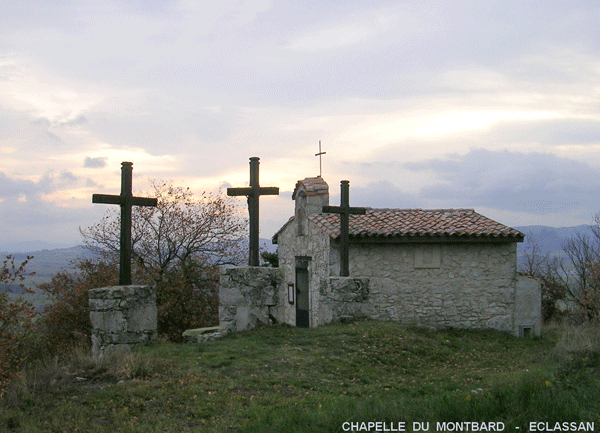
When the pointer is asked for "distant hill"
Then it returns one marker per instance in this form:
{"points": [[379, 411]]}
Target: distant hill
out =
{"points": [[551, 239], [24, 246], [46, 263], [267, 244]]}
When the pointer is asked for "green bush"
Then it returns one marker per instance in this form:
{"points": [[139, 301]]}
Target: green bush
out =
{"points": [[16, 322], [187, 298], [66, 322]]}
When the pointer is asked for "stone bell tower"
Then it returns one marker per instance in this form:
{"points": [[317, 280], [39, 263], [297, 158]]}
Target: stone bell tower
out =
{"points": [[310, 195]]}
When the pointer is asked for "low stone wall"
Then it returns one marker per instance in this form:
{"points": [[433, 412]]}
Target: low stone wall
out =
{"points": [[344, 298], [248, 297], [122, 317], [528, 307]]}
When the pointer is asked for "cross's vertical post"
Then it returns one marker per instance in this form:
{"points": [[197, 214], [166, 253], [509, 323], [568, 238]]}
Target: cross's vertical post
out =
{"points": [[344, 210], [320, 160], [254, 213], [125, 242], [126, 201], [253, 193]]}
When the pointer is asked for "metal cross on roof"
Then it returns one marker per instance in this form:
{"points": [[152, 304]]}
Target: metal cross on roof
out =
{"points": [[126, 201], [320, 161], [344, 210], [253, 193]]}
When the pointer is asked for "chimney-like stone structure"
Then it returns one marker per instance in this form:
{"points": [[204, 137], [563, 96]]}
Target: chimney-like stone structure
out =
{"points": [[310, 195]]}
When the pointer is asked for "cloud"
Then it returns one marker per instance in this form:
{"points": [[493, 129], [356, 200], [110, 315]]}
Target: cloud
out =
{"points": [[185, 89], [539, 183], [77, 121], [38, 219], [99, 162], [68, 177], [337, 36], [381, 194], [548, 132], [15, 188]]}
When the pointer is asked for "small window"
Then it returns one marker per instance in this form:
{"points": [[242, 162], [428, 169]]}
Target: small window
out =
{"points": [[526, 331], [427, 257]]}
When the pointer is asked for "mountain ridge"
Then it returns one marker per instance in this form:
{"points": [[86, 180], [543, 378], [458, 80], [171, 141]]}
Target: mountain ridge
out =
{"points": [[48, 261]]}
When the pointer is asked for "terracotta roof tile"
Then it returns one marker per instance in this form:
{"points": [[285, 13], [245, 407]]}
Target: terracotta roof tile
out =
{"points": [[418, 223], [312, 185]]}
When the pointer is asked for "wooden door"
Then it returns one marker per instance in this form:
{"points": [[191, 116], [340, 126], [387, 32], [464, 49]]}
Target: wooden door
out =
{"points": [[302, 294]]}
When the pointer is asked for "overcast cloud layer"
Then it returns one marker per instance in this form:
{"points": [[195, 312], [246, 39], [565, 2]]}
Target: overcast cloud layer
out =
{"points": [[493, 105]]}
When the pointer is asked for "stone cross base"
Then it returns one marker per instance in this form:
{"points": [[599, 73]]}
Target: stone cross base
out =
{"points": [[122, 317], [249, 297]]}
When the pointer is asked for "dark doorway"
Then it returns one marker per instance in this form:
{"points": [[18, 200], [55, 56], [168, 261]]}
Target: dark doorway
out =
{"points": [[302, 286]]}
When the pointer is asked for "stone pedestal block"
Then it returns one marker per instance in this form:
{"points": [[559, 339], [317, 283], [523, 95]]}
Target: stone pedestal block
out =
{"points": [[248, 297], [122, 317]]}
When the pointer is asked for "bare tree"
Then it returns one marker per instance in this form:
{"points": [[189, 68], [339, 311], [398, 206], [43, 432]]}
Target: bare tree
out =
{"points": [[534, 261], [547, 270], [182, 228], [178, 246]]}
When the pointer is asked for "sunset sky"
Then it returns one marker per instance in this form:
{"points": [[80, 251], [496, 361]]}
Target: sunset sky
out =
{"points": [[492, 105]]}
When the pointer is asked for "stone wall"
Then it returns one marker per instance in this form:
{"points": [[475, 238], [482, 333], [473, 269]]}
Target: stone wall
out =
{"points": [[249, 297], [528, 307], [316, 246], [122, 317], [459, 285], [441, 285], [344, 298]]}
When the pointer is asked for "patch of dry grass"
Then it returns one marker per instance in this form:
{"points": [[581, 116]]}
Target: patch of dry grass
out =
{"points": [[575, 340], [58, 375]]}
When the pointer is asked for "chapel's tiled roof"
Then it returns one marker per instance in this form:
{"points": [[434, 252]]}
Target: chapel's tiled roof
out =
{"points": [[419, 223], [312, 185]]}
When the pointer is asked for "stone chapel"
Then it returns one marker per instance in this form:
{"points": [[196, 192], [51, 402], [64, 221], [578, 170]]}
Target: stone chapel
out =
{"points": [[441, 268]]}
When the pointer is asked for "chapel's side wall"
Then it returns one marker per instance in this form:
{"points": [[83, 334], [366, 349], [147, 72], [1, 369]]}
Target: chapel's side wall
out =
{"points": [[314, 245], [443, 285]]}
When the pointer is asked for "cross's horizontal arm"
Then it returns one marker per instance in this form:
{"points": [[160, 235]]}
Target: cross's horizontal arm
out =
{"points": [[339, 209], [144, 201], [117, 199], [269, 190], [239, 191], [250, 191], [107, 199]]}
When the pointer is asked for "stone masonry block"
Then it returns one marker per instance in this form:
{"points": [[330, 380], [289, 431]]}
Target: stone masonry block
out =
{"points": [[246, 294], [122, 317]]}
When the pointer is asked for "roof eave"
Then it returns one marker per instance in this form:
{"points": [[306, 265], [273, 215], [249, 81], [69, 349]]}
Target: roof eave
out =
{"points": [[276, 235], [428, 238]]}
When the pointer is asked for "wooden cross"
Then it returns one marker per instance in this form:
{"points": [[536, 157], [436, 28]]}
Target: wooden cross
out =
{"points": [[344, 210], [319, 155], [253, 193], [126, 200]]}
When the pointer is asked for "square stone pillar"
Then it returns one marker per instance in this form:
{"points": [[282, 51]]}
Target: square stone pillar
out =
{"points": [[248, 297], [122, 317]]}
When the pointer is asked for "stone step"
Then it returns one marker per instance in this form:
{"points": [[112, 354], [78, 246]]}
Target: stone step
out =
{"points": [[201, 335]]}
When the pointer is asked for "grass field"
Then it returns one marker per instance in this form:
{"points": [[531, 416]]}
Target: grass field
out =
{"points": [[284, 379]]}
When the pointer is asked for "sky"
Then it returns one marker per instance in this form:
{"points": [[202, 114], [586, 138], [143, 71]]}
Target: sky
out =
{"points": [[491, 105]]}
